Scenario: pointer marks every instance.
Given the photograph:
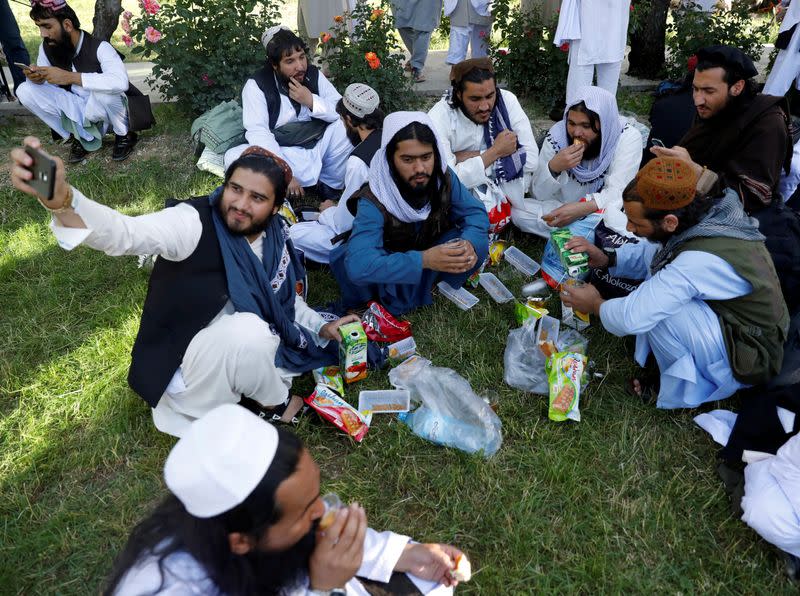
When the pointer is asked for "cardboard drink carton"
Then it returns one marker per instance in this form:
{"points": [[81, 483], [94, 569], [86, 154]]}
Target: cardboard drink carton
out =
{"points": [[353, 352]]}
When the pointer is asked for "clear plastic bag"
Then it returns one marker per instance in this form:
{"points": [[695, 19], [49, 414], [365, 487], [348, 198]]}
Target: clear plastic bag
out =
{"points": [[524, 362], [450, 413]]}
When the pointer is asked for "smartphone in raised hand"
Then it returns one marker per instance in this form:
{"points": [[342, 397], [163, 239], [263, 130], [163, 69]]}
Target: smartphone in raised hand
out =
{"points": [[23, 66], [43, 169]]}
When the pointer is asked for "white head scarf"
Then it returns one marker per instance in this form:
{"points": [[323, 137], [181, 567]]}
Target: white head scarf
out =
{"points": [[381, 181], [604, 104]]}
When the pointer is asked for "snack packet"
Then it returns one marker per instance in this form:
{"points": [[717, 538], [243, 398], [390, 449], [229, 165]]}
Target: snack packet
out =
{"points": [[330, 406], [496, 250], [353, 352], [565, 377], [380, 325], [530, 310], [330, 376], [288, 213], [575, 263]]}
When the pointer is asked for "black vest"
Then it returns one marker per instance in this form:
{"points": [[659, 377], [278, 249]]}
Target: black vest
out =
{"points": [[367, 148], [86, 61], [182, 298], [400, 236], [266, 79]]}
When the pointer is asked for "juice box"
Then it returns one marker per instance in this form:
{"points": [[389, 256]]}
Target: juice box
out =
{"points": [[576, 263], [353, 352]]}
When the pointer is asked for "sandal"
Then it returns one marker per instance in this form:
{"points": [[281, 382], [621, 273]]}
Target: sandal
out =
{"points": [[644, 389], [289, 412]]}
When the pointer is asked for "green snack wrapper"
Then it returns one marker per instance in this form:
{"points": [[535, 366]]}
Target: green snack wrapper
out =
{"points": [[330, 376], [565, 372], [523, 311], [575, 263]]}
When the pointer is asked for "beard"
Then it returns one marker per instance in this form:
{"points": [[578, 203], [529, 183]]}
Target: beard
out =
{"points": [[416, 195], [62, 49], [255, 227], [263, 572], [353, 136], [659, 235], [472, 117]]}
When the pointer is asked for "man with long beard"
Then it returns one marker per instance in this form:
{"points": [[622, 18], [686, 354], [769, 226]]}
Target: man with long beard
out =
{"points": [[488, 139], [710, 309], [224, 320], [289, 108], [415, 223], [244, 518], [78, 84]]}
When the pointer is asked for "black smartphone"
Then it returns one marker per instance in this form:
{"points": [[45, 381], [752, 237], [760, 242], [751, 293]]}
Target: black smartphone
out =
{"points": [[44, 173]]}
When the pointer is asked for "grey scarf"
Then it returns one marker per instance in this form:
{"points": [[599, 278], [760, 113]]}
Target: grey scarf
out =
{"points": [[725, 219]]}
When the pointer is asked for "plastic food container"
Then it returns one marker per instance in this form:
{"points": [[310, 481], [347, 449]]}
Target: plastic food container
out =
{"points": [[495, 288], [385, 401], [520, 261], [460, 297]]}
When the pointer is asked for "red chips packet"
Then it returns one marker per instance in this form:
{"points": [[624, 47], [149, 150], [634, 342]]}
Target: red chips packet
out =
{"points": [[380, 325], [330, 406]]}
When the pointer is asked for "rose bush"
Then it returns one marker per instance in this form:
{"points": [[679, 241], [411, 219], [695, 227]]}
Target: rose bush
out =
{"points": [[368, 53], [202, 52]]}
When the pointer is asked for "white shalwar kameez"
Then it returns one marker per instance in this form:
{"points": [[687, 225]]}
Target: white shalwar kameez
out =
{"points": [[183, 574], [470, 26], [462, 134], [786, 69], [98, 100], [597, 33], [325, 162], [314, 237], [668, 315], [551, 193], [771, 501], [234, 355]]}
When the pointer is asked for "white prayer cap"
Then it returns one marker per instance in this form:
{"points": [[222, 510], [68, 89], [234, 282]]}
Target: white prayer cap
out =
{"points": [[270, 32], [360, 99], [220, 460]]}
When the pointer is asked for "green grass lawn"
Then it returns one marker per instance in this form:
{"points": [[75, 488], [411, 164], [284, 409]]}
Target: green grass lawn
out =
{"points": [[625, 501]]}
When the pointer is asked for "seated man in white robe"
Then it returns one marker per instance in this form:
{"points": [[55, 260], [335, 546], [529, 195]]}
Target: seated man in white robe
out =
{"points": [[771, 501], [78, 84], [363, 120], [487, 139], [245, 516], [711, 308], [289, 108], [224, 320]]}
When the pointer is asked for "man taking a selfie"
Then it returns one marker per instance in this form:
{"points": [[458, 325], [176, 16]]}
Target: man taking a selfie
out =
{"points": [[224, 320]]}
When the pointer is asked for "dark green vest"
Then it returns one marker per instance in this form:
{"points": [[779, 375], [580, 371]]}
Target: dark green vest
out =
{"points": [[754, 326]]}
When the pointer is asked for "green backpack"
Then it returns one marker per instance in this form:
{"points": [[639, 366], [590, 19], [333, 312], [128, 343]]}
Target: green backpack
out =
{"points": [[220, 128]]}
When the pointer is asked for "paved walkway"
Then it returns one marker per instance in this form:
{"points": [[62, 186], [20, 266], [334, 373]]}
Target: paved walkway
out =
{"points": [[436, 72]]}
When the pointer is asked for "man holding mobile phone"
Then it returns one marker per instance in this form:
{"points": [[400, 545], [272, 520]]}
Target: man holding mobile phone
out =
{"points": [[78, 84], [14, 48]]}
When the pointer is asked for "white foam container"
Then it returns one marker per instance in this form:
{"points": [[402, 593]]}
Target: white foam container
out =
{"points": [[400, 350], [460, 297], [495, 288], [384, 401], [520, 261]]}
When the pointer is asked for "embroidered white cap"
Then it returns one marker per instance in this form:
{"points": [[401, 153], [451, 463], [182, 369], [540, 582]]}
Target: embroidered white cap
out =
{"points": [[360, 99], [270, 32], [220, 460]]}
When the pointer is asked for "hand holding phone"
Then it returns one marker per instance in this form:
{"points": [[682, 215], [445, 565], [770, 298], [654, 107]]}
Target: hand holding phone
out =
{"points": [[36, 173], [43, 170], [23, 66]]}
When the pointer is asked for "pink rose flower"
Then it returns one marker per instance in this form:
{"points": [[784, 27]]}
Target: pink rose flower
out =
{"points": [[481, 34], [126, 39], [207, 79], [126, 25], [151, 6], [127, 15], [152, 35]]}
